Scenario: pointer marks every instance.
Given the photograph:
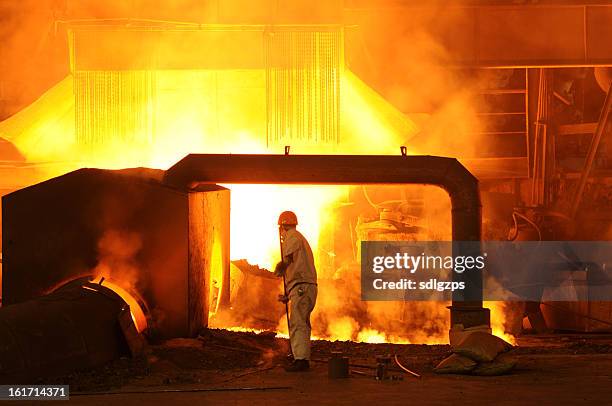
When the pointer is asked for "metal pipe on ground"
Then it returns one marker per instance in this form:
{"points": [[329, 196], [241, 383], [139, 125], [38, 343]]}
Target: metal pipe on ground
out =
{"points": [[447, 173], [81, 325]]}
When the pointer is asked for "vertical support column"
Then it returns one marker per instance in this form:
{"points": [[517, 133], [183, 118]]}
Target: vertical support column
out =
{"points": [[467, 308], [209, 261]]}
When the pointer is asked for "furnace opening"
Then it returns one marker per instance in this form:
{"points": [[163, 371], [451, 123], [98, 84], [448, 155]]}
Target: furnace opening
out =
{"points": [[334, 219]]}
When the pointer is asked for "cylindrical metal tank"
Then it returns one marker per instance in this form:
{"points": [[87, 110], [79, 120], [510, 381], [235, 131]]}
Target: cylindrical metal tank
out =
{"points": [[79, 326]]}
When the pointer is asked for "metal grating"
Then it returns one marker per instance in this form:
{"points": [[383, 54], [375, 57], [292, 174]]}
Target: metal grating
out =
{"points": [[114, 106], [303, 85]]}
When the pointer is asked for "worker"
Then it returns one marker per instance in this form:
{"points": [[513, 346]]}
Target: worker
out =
{"points": [[300, 278]]}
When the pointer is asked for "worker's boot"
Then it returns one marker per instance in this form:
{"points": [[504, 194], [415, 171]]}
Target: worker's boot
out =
{"points": [[299, 365]]}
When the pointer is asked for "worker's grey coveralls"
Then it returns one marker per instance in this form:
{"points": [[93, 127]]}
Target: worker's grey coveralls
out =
{"points": [[301, 280]]}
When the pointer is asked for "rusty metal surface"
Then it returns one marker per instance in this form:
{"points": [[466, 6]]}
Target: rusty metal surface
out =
{"points": [[447, 173], [316, 169], [76, 327]]}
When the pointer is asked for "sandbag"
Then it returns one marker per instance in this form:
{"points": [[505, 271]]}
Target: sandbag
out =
{"points": [[502, 364], [481, 347], [455, 364]]}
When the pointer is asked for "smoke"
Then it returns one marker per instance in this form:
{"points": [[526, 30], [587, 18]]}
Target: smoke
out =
{"points": [[117, 257], [340, 312], [224, 111], [33, 56], [34, 45], [253, 302], [417, 74]]}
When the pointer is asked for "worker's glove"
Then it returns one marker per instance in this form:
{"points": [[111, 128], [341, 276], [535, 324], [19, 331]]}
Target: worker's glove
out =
{"points": [[283, 299], [280, 268]]}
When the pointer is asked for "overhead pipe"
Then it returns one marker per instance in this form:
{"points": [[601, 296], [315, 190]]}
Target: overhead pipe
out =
{"points": [[447, 173]]}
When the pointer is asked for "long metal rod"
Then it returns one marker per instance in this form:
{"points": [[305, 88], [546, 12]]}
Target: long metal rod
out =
{"points": [[588, 164]]}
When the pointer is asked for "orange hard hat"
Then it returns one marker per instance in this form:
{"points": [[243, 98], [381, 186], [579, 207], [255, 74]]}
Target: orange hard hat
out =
{"points": [[287, 218]]}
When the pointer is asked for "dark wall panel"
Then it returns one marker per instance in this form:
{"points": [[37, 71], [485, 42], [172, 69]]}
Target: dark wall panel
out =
{"points": [[67, 226]]}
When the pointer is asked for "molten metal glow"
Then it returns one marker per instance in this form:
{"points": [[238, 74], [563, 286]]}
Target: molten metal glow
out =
{"points": [[244, 330], [376, 337], [498, 321]]}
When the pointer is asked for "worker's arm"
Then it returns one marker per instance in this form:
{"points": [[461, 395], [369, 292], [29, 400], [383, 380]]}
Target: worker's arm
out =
{"points": [[282, 266], [288, 260], [289, 246], [279, 271]]}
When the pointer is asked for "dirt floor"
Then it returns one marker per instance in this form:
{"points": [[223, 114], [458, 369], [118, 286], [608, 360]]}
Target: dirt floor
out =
{"points": [[234, 368]]}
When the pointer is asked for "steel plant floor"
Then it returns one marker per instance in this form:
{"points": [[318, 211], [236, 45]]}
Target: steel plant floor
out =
{"points": [[237, 368]]}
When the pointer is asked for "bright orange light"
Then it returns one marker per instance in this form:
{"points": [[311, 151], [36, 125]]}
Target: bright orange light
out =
{"points": [[140, 320], [224, 111], [254, 217], [376, 337], [498, 320]]}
